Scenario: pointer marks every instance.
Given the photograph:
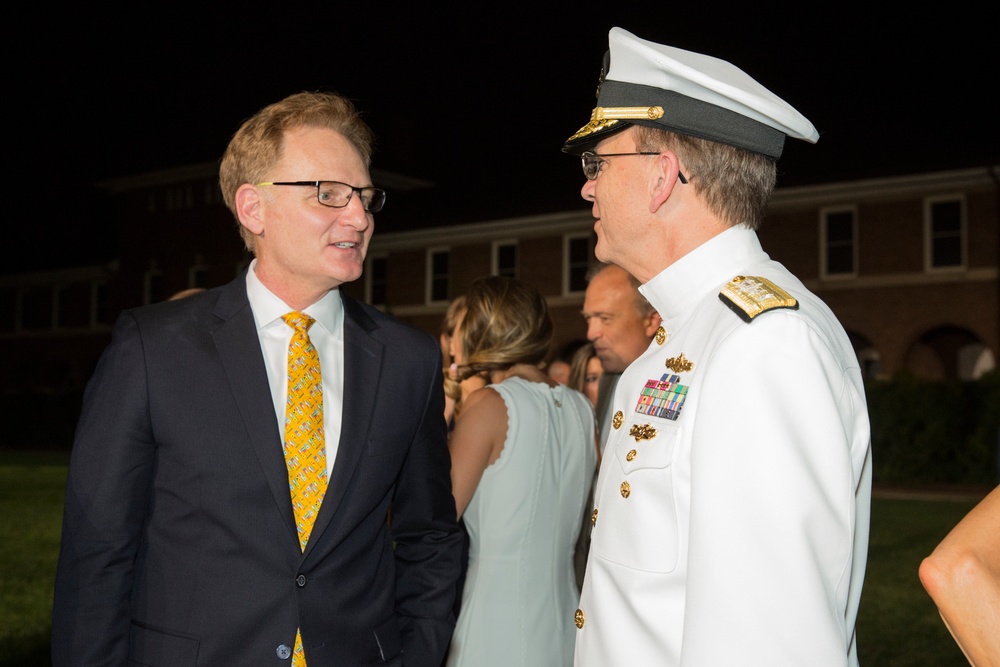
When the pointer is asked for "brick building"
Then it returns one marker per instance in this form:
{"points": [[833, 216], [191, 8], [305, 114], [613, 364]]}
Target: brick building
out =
{"points": [[908, 263]]}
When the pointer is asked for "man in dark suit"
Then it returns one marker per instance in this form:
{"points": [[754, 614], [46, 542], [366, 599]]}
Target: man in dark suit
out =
{"points": [[621, 324], [181, 545]]}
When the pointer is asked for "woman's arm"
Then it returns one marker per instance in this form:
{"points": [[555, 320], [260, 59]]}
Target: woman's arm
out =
{"points": [[476, 442], [962, 576]]}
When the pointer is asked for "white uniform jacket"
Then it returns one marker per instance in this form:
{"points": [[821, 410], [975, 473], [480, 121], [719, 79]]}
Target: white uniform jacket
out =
{"points": [[732, 507]]}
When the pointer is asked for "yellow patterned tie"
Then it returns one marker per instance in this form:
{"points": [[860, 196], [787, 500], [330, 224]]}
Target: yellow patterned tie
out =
{"points": [[305, 449]]}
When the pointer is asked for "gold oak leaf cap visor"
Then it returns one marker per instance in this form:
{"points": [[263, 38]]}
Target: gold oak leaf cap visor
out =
{"points": [[643, 83]]}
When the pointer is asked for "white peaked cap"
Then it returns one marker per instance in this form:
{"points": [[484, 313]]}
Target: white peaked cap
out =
{"points": [[650, 84]]}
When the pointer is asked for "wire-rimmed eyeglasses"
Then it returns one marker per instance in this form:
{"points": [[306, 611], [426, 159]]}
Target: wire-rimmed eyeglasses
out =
{"points": [[592, 163], [338, 195]]}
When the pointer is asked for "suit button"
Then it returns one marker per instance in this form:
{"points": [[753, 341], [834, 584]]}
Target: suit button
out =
{"points": [[593, 517], [617, 420], [631, 455], [283, 652], [579, 619], [626, 490], [301, 580]]}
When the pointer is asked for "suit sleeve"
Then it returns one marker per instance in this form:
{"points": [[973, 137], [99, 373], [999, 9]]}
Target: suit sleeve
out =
{"points": [[107, 494], [774, 520], [427, 537]]}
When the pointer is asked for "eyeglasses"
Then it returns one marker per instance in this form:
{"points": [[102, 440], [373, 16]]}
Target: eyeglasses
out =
{"points": [[338, 195], [592, 164]]}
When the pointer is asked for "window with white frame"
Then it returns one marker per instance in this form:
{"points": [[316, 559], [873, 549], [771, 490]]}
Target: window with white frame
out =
{"points": [[578, 255], [438, 261], [376, 280], [504, 259], [838, 242], [944, 233]]}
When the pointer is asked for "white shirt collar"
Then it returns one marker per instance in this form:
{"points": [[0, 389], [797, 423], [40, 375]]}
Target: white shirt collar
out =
{"points": [[268, 308], [683, 284]]}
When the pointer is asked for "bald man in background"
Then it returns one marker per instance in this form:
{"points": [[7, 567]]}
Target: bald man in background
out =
{"points": [[620, 324]]}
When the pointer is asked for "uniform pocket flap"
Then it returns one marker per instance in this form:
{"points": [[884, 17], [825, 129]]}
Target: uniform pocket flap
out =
{"points": [[647, 444]]}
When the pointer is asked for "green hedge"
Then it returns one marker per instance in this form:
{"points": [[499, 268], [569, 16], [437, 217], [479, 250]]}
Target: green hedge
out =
{"points": [[922, 432], [935, 432]]}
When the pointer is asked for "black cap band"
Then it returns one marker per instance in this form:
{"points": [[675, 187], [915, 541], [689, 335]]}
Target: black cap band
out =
{"points": [[681, 114]]}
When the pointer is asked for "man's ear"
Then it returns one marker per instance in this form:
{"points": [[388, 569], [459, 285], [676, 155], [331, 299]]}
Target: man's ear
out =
{"points": [[653, 321], [248, 208], [663, 179]]}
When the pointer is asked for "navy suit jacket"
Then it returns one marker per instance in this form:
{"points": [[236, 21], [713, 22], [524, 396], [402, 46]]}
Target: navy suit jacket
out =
{"points": [[179, 544]]}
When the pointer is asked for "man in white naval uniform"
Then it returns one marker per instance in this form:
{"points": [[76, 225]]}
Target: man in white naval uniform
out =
{"points": [[732, 508]]}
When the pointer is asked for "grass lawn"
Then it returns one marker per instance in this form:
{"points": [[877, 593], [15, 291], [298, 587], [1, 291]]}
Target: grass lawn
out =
{"points": [[31, 498], [898, 625]]}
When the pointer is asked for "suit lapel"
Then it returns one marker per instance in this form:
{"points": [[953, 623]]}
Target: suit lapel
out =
{"points": [[362, 365], [239, 350]]}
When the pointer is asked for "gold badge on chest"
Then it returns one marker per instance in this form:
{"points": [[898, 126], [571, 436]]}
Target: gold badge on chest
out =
{"points": [[679, 364], [642, 432]]}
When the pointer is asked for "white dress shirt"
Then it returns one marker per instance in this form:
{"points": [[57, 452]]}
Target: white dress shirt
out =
{"points": [[327, 336]]}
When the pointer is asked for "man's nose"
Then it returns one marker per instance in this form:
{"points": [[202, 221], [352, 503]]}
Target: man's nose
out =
{"points": [[354, 214], [593, 329], [587, 191]]}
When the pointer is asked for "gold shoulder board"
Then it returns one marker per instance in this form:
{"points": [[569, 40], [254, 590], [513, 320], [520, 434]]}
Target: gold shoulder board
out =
{"points": [[749, 296]]}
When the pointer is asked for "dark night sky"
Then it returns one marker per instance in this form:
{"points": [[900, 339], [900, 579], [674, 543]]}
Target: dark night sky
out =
{"points": [[477, 100]]}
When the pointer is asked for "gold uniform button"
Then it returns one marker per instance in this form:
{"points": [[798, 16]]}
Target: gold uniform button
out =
{"points": [[626, 490], [593, 517], [631, 455], [661, 336], [617, 420], [579, 619]]}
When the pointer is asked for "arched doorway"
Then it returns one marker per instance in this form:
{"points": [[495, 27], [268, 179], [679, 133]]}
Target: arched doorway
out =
{"points": [[949, 353]]}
